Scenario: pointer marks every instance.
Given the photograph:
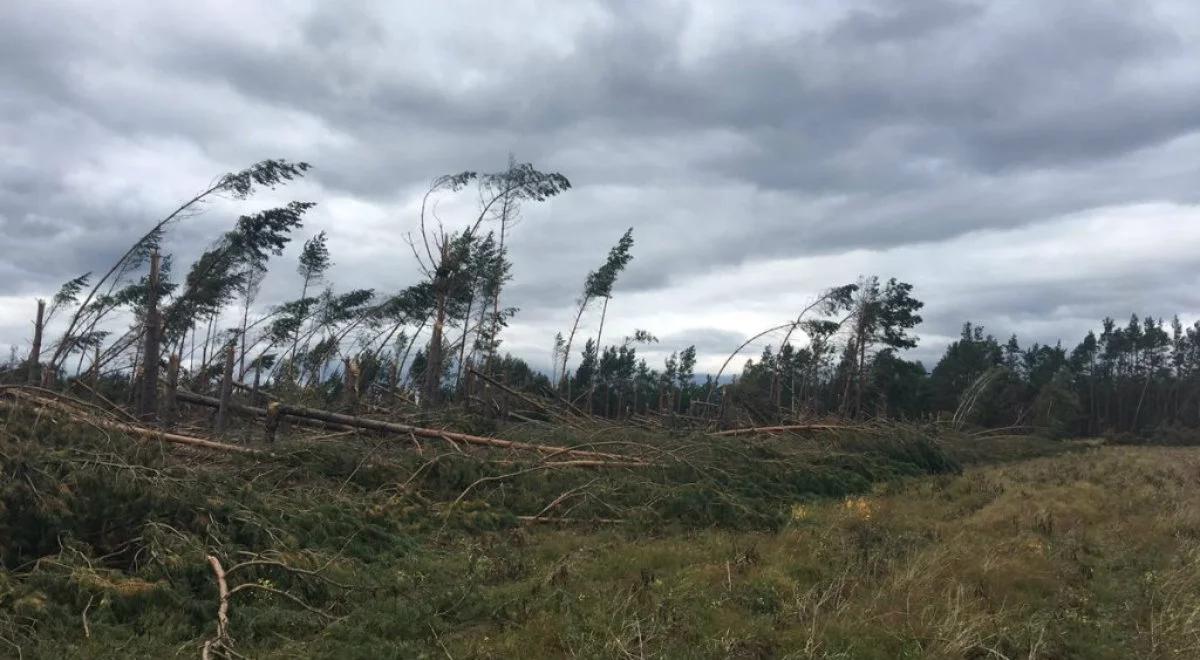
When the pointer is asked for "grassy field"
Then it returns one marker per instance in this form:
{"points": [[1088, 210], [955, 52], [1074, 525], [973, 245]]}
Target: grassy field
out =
{"points": [[1088, 553]]}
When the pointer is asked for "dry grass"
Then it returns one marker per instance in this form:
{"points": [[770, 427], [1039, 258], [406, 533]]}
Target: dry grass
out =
{"points": [[1090, 555]]}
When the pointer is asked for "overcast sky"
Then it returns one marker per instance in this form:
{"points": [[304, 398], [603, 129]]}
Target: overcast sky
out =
{"points": [[1032, 166]]}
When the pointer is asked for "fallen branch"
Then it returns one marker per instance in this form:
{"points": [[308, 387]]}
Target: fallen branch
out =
{"points": [[566, 521], [279, 592], [112, 406], [520, 395], [258, 391], [987, 432], [222, 641], [572, 407], [87, 630], [562, 498], [528, 420], [790, 428], [584, 463]]}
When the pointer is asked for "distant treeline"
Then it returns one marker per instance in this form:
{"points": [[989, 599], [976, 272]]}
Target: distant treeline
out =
{"points": [[1127, 378]]}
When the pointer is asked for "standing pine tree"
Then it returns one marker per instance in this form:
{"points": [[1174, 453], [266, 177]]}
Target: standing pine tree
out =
{"points": [[314, 262], [519, 183], [685, 374], [881, 315], [443, 255], [599, 284]]}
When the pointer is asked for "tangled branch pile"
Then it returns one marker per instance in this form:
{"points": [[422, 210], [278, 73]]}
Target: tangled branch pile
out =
{"points": [[107, 532]]}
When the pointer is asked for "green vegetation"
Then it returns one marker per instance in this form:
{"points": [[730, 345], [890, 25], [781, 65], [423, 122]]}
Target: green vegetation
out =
{"points": [[860, 545], [1087, 554], [433, 497]]}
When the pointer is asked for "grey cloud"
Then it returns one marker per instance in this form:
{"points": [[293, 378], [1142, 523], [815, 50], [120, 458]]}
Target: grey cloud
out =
{"points": [[880, 125], [706, 340]]}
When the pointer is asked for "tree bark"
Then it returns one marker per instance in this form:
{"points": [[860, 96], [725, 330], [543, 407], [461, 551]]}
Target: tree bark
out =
{"points": [[95, 370], [34, 376], [433, 359], [599, 354], [462, 342], [222, 423], [147, 409], [350, 384], [789, 428], [491, 356], [562, 378], [170, 412]]}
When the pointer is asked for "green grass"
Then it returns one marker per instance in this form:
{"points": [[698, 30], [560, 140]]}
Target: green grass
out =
{"points": [[837, 547]]}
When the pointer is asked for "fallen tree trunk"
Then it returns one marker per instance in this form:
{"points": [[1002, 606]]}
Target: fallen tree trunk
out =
{"points": [[572, 407], [254, 411], [139, 431], [302, 412], [789, 428], [520, 395], [584, 463]]}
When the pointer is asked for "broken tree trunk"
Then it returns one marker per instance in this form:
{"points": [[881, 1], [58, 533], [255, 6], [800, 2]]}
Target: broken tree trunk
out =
{"points": [[95, 370], [271, 425], [170, 412], [35, 354], [147, 401], [433, 357], [222, 423], [222, 641], [350, 384]]}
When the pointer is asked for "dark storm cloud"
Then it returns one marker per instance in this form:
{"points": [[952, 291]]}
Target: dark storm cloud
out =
{"points": [[725, 136]]}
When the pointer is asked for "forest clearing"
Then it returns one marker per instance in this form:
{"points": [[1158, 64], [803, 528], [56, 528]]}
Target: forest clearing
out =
{"points": [[352, 544], [608, 330], [188, 472]]}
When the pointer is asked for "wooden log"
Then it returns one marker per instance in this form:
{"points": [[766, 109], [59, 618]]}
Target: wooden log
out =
{"points": [[95, 370], [790, 428], [34, 376], [350, 384], [195, 399], [254, 390], [585, 463], [222, 423], [271, 425], [302, 412], [170, 408], [147, 400]]}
